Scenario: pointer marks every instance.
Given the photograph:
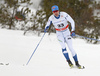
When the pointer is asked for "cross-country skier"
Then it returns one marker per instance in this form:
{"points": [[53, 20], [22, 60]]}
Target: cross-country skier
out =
{"points": [[60, 21]]}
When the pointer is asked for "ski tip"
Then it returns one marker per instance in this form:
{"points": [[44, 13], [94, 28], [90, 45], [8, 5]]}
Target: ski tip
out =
{"points": [[82, 67]]}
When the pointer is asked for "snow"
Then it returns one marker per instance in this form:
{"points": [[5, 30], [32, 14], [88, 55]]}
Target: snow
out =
{"points": [[35, 3], [48, 60], [97, 1]]}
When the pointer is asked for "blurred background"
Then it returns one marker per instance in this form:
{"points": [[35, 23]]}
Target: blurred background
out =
{"points": [[32, 15]]}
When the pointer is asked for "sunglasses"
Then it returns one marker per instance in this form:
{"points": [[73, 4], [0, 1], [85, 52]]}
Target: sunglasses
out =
{"points": [[55, 11]]}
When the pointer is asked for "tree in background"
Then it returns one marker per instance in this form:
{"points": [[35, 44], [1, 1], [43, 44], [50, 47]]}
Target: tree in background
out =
{"points": [[80, 10], [8, 11]]}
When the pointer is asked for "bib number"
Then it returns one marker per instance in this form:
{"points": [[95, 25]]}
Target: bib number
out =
{"points": [[60, 25]]}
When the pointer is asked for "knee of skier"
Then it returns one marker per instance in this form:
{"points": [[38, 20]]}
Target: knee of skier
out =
{"points": [[64, 50]]}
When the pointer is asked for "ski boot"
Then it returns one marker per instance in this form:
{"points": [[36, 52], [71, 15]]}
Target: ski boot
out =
{"points": [[79, 66], [70, 63]]}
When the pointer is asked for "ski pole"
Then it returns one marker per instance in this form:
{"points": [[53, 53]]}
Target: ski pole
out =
{"points": [[87, 37], [35, 49]]}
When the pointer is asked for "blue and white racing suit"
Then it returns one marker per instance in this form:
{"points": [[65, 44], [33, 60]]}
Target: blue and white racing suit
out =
{"points": [[63, 34]]}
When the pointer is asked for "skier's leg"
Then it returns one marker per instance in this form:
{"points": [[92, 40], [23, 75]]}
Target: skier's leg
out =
{"points": [[69, 43], [64, 51], [62, 43]]}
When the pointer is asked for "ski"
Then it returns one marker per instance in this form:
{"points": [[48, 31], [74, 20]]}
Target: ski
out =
{"points": [[4, 63], [80, 67]]}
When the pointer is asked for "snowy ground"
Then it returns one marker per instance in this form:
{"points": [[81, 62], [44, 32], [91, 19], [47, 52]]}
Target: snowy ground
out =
{"points": [[48, 60]]}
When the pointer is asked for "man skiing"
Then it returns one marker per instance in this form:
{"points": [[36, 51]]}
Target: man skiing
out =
{"points": [[60, 21]]}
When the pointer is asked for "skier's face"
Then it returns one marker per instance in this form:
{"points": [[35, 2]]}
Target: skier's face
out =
{"points": [[56, 13]]}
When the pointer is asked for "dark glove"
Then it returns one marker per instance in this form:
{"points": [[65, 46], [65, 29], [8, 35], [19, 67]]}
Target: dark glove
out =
{"points": [[73, 33]]}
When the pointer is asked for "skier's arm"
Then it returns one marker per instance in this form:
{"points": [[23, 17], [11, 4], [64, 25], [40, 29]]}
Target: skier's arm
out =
{"points": [[47, 25], [68, 17]]}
